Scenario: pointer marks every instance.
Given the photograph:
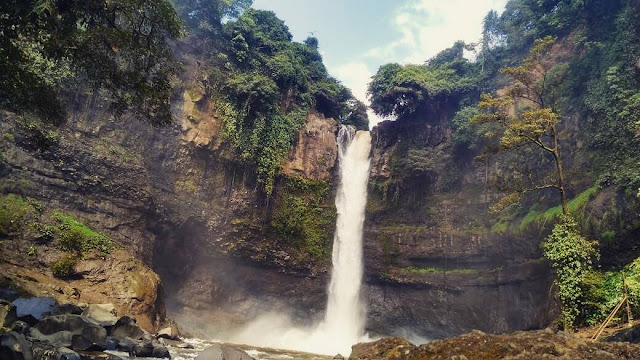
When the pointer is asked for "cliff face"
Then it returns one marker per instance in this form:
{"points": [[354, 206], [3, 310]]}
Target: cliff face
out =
{"points": [[432, 262]]}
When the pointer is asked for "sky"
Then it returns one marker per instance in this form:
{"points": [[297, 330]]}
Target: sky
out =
{"points": [[358, 36]]}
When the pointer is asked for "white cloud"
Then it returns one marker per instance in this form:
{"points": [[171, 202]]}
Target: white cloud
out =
{"points": [[428, 26], [425, 27]]}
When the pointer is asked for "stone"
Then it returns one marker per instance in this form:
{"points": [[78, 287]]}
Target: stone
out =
{"points": [[74, 331], [167, 333], [20, 327], [103, 314], [386, 348], [14, 346], [338, 357], [7, 313], [223, 352], [38, 307], [70, 309], [126, 327], [67, 354]]}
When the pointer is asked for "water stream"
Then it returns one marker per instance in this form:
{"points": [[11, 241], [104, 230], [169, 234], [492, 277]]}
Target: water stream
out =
{"points": [[344, 320]]}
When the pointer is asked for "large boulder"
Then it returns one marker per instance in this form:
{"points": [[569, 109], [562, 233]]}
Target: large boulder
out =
{"points": [[168, 333], [126, 327], [14, 346], [7, 313], [36, 307], [148, 348], [103, 314], [223, 352], [75, 331]]}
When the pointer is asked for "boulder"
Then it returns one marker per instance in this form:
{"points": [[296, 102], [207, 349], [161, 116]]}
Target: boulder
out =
{"points": [[70, 309], [167, 333], [75, 331], [150, 349], [7, 313], [67, 354], [37, 307], [223, 352], [103, 314], [14, 346], [126, 327], [20, 327]]}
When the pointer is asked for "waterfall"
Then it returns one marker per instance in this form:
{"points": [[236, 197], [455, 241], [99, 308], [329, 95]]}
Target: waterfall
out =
{"points": [[345, 315], [344, 320]]}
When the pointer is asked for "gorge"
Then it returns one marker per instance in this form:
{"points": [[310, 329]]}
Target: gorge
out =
{"points": [[266, 211]]}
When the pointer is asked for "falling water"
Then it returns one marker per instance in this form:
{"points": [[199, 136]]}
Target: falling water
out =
{"points": [[343, 324], [345, 315]]}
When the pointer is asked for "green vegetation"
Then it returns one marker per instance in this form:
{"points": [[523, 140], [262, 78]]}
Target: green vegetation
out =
{"points": [[304, 216], [15, 212], [571, 257], [75, 236], [35, 134], [119, 46], [576, 207], [64, 267]]}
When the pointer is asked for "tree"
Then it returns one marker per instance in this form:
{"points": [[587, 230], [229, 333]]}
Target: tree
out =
{"points": [[207, 16], [535, 87], [571, 257], [120, 46]]}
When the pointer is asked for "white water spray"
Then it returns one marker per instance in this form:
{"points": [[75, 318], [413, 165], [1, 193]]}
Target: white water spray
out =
{"points": [[343, 324]]}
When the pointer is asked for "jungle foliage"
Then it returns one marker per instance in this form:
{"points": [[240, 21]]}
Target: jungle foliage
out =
{"points": [[263, 83], [47, 47]]}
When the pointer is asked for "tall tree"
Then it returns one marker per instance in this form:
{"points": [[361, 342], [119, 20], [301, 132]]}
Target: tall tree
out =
{"points": [[121, 46], [535, 87]]}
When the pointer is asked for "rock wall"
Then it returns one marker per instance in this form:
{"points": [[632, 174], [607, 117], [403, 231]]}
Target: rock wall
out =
{"points": [[433, 265]]}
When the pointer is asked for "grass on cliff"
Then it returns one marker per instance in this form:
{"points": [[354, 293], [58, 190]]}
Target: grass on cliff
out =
{"points": [[541, 219], [14, 214], [435, 270], [75, 236]]}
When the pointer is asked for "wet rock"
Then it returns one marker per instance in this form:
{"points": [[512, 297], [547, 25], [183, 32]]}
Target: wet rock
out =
{"points": [[75, 331], [631, 335], [14, 346], [37, 307], [126, 327], [103, 314], [28, 319], [150, 349], [7, 313], [167, 333], [223, 352]]}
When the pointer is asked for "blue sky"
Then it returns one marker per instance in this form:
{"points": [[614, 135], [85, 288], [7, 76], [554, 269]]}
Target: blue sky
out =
{"points": [[358, 36]]}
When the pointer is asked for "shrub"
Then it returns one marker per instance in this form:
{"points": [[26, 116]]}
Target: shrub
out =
{"points": [[571, 257], [64, 267], [36, 134], [77, 237], [14, 213]]}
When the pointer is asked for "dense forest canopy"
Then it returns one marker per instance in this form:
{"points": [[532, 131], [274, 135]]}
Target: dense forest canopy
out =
{"points": [[48, 46]]}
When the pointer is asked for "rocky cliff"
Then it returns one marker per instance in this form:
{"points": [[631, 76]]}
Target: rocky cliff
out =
{"points": [[433, 262]]}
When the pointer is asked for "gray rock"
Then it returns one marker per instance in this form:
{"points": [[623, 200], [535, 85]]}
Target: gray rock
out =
{"points": [[167, 333], [126, 327], [7, 313], [20, 327], [14, 346], [338, 357], [38, 307], [104, 314], [75, 331], [150, 349], [70, 309], [223, 352], [67, 354]]}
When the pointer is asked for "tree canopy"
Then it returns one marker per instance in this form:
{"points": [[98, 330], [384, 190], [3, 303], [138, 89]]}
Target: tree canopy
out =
{"points": [[119, 46]]}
